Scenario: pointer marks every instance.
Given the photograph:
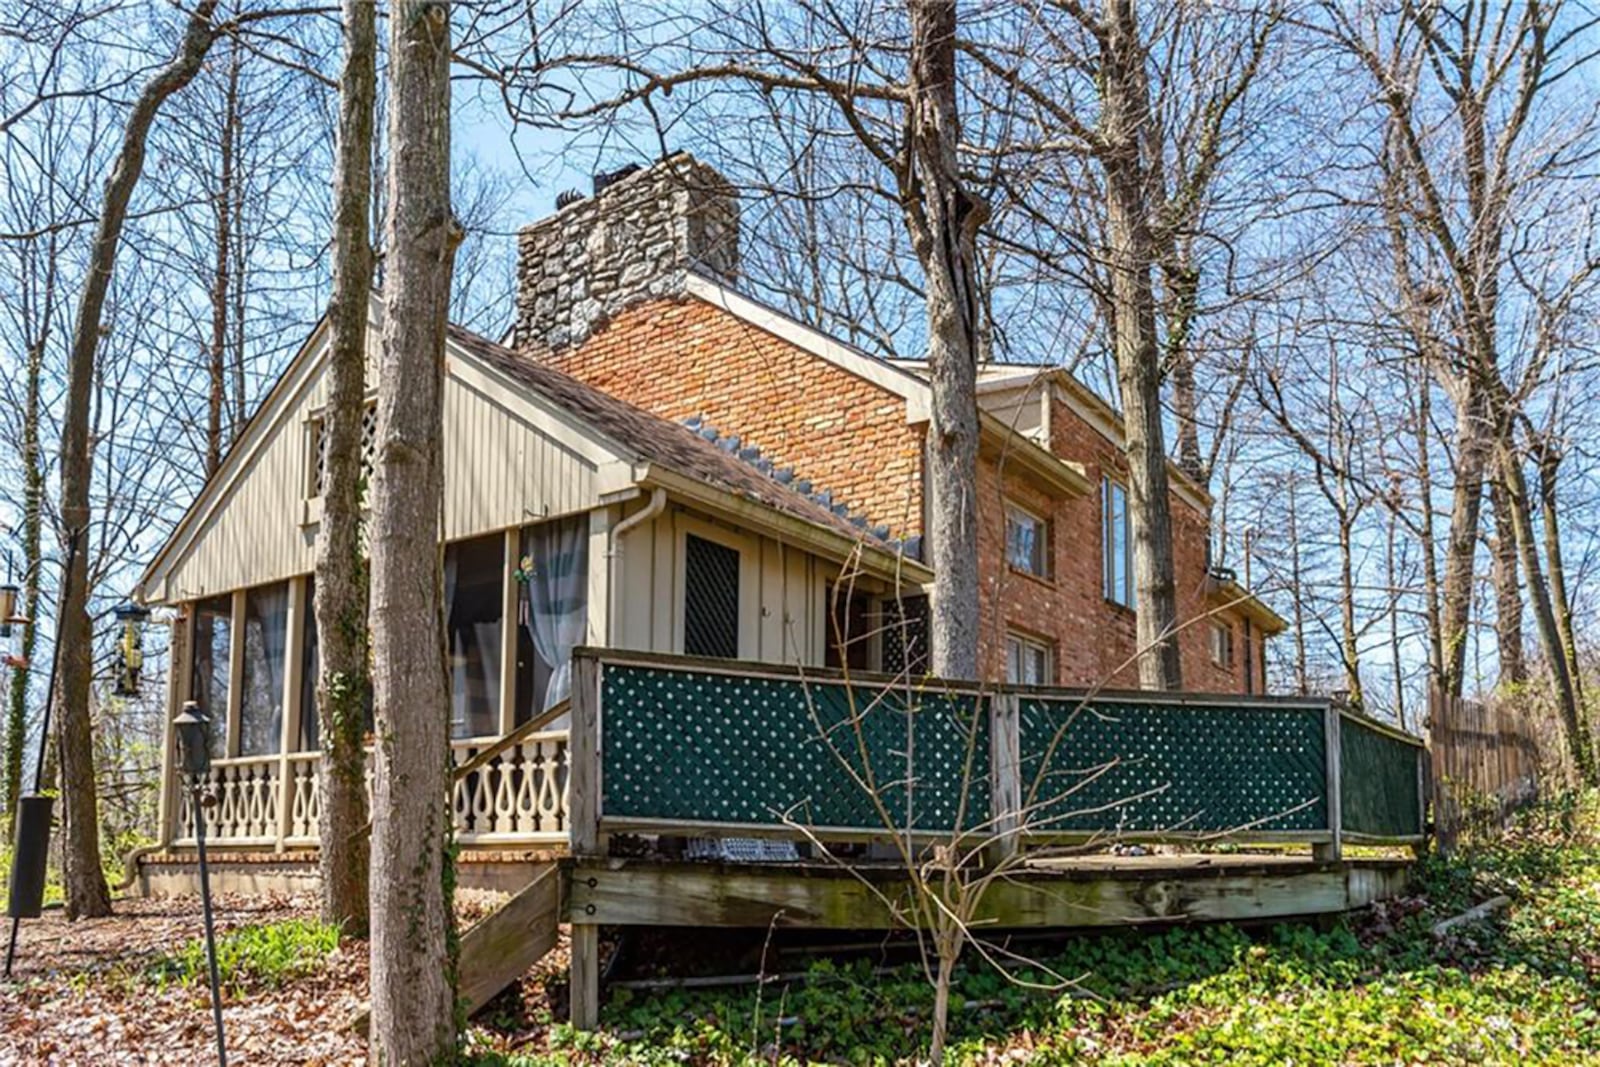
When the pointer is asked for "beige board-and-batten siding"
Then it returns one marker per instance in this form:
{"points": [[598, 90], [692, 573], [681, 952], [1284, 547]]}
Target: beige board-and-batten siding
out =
{"points": [[782, 589], [510, 459]]}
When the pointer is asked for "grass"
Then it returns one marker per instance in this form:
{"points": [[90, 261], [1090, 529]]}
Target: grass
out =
{"points": [[253, 958], [1522, 988]]}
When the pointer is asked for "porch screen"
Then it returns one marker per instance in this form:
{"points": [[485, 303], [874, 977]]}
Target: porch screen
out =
{"points": [[208, 678], [554, 608], [266, 633], [474, 591], [310, 665]]}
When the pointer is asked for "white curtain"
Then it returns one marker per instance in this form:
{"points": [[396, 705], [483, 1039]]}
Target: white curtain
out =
{"points": [[558, 598], [266, 626]]}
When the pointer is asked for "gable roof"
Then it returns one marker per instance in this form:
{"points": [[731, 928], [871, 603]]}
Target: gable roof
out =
{"points": [[656, 440]]}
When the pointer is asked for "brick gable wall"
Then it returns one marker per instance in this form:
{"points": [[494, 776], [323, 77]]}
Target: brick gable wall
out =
{"points": [[682, 357]]}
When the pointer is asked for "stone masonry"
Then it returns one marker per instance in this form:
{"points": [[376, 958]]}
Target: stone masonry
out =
{"points": [[635, 240]]}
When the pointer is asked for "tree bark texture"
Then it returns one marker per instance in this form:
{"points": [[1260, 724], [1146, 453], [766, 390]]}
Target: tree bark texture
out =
{"points": [[1549, 459], [222, 211], [343, 680], [413, 994], [1507, 590], [1466, 501], [1125, 115], [86, 892], [944, 217]]}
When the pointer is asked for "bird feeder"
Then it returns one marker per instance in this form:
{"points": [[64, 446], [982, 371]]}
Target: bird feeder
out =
{"points": [[8, 609], [131, 617]]}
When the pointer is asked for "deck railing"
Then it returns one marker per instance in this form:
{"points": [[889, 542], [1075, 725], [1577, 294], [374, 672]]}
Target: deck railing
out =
{"points": [[516, 797], [717, 747]]}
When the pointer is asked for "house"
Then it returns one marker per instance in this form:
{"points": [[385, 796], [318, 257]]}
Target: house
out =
{"points": [[635, 291], [658, 463]]}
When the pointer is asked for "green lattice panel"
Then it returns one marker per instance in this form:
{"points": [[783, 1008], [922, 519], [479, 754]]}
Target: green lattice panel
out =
{"points": [[1131, 767], [1378, 782], [698, 746]]}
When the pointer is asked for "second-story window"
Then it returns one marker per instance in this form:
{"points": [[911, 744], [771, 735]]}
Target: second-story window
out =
{"points": [[319, 448], [1117, 541], [1222, 645], [1027, 542], [1028, 661]]}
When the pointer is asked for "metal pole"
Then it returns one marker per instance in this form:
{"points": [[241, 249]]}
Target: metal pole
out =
{"points": [[211, 936], [11, 947]]}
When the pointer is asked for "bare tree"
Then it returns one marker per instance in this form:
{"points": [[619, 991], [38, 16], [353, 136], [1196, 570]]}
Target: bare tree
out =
{"points": [[343, 684], [413, 970]]}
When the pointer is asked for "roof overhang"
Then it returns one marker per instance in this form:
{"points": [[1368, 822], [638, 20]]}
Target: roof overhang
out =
{"points": [[881, 561], [1230, 595]]}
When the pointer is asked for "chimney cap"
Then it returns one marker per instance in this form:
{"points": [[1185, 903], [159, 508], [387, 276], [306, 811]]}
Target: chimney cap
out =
{"points": [[610, 177]]}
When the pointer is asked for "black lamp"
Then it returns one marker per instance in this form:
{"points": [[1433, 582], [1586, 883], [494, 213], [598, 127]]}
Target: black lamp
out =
{"points": [[193, 728], [132, 618]]}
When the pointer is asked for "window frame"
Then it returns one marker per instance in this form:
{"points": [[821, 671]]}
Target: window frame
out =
{"points": [[1028, 644], [1125, 597], [1223, 647], [1043, 544], [749, 581]]}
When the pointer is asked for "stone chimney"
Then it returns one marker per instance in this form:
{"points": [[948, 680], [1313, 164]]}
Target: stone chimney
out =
{"points": [[637, 238]]}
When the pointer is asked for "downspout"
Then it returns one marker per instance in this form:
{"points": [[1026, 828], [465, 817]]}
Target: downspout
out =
{"points": [[657, 504]]}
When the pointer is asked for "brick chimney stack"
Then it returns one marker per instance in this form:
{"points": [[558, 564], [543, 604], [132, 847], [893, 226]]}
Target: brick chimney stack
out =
{"points": [[637, 238]]}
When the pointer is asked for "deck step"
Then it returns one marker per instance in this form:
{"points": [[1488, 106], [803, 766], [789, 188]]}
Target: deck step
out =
{"points": [[500, 947]]}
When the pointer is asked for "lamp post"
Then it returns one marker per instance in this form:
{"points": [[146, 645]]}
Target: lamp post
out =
{"points": [[194, 753]]}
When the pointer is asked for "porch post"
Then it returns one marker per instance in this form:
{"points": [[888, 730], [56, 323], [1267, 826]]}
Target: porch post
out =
{"points": [[1005, 781], [178, 672], [235, 673], [508, 631], [583, 759], [1334, 847], [289, 731]]}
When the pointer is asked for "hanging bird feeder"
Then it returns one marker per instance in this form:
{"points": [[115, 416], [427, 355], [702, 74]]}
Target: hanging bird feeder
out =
{"points": [[130, 645]]}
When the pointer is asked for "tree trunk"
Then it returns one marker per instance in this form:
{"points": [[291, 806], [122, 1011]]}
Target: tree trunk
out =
{"points": [[1125, 116], [1461, 550], [222, 212], [413, 972], [1183, 296], [1549, 457], [944, 218], [86, 890], [343, 682], [1507, 590], [1580, 746]]}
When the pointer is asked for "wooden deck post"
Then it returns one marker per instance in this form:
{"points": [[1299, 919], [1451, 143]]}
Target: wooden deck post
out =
{"points": [[584, 979], [583, 762], [1005, 781], [178, 671], [1333, 849], [289, 728]]}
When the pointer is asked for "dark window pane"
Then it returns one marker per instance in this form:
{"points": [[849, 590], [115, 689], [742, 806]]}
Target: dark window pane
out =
{"points": [[906, 645], [266, 634], [474, 582], [710, 599], [849, 628], [208, 680]]}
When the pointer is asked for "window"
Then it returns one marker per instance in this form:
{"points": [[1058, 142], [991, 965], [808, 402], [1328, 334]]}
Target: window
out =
{"points": [[319, 447], [710, 598], [906, 645], [474, 596], [266, 635], [553, 577], [1222, 644], [208, 677], [1117, 541], [1028, 662], [1027, 542], [849, 637], [310, 664]]}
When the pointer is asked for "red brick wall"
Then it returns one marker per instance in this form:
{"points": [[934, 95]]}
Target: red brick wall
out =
{"points": [[681, 358]]}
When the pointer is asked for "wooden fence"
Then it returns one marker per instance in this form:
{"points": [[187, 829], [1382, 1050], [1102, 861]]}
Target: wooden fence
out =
{"points": [[1485, 763]]}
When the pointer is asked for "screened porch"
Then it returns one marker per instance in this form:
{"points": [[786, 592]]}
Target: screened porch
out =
{"points": [[516, 603]]}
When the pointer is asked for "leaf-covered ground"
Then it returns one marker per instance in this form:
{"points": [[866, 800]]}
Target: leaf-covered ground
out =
{"points": [[1521, 988]]}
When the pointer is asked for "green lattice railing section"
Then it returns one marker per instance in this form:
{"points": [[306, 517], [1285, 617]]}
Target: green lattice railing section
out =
{"points": [[1380, 781], [703, 746], [695, 743], [1141, 767]]}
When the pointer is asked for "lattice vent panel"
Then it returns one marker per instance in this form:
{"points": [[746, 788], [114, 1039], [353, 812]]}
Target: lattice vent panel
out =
{"points": [[715, 748]]}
